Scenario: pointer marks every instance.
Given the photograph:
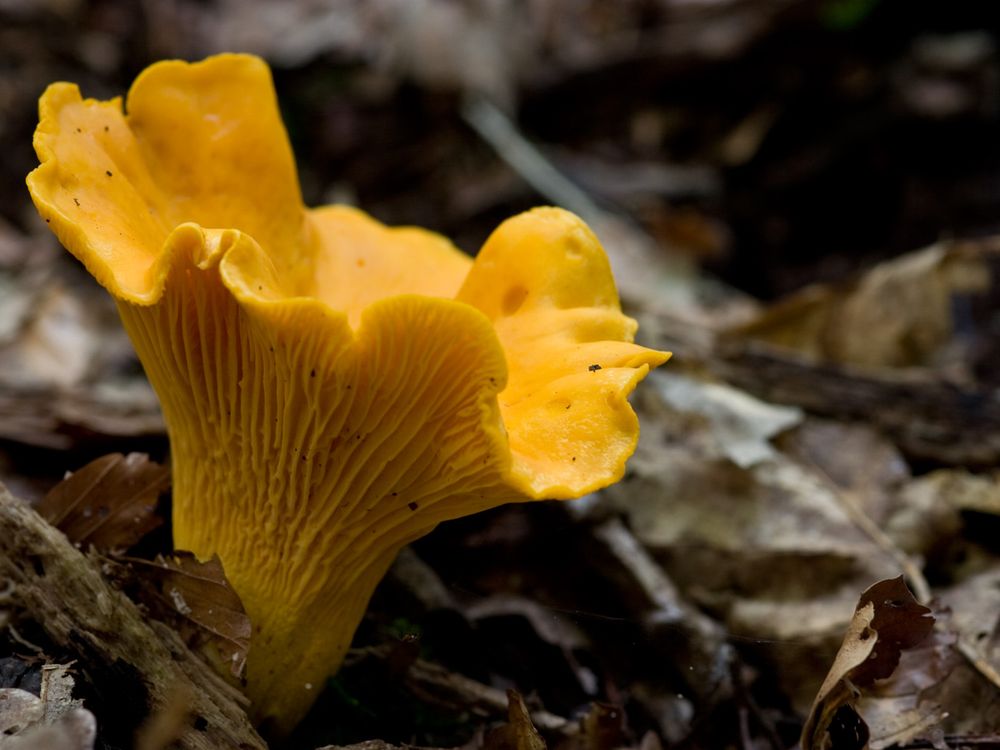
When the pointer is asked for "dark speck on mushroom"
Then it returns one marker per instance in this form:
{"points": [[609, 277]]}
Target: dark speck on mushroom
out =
{"points": [[76, 201], [107, 172], [312, 373], [412, 505], [594, 368], [106, 128]]}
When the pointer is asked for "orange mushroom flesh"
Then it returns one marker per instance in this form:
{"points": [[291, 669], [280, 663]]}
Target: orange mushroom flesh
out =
{"points": [[333, 388]]}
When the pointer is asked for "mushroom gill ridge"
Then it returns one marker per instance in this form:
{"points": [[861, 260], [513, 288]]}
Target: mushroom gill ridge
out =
{"points": [[332, 388]]}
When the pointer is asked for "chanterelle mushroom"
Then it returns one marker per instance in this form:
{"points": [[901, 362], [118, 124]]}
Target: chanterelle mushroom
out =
{"points": [[333, 388]]}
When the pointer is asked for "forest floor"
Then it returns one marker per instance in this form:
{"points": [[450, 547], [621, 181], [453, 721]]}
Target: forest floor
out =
{"points": [[801, 200]]}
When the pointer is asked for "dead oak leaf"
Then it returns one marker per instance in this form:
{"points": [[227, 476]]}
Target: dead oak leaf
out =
{"points": [[900, 313], [519, 732], [206, 610], [887, 621], [110, 503]]}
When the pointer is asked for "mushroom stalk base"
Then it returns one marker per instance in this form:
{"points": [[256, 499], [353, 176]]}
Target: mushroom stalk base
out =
{"points": [[306, 458]]}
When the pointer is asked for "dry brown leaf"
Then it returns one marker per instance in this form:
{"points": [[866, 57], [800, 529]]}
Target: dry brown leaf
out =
{"points": [[907, 706], [54, 332], [208, 612], [518, 733], [856, 458], [52, 721], [887, 620], [19, 710], [972, 701], [898, 314], [963, 490], [64, 419], [739, 426], [601, 728], [110, 503]]}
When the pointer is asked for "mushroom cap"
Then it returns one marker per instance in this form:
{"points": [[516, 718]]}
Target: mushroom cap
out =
{"points": [[333, 388]]}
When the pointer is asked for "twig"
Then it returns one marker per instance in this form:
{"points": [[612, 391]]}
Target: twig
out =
{"points": [[644, 273], [746, 741], [883, 541], [956, 741], [494, 127], [748, 707], [18, 638], [711, 658], [978, 663], [438, 685], [65, 593]]}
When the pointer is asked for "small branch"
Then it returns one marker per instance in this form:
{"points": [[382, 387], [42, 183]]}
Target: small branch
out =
{"points": [[494, 127], [848, 501], [64, 592], [978, 663], [941, 421], [440, 686], [956, 740]]}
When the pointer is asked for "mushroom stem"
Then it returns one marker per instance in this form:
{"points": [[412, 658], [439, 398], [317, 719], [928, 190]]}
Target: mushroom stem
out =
{"points": [[333, 388], [302, 471]]}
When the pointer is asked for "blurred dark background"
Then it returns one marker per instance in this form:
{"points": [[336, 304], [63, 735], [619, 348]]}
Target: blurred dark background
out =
{"points": [[774, 142]]}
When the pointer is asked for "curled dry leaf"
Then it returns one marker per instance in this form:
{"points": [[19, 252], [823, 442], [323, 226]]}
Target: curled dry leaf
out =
{"points": [[962, 490], [910, 703], [899, 314], [518, 733], [887, 620], [972, 699], [110, 503], [64, 419], [739, 426], [208, 612], [19, 710], [52, 721]]}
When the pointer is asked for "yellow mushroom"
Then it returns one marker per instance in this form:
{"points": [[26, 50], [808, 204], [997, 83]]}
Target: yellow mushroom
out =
{"points": [[333, 388]]}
